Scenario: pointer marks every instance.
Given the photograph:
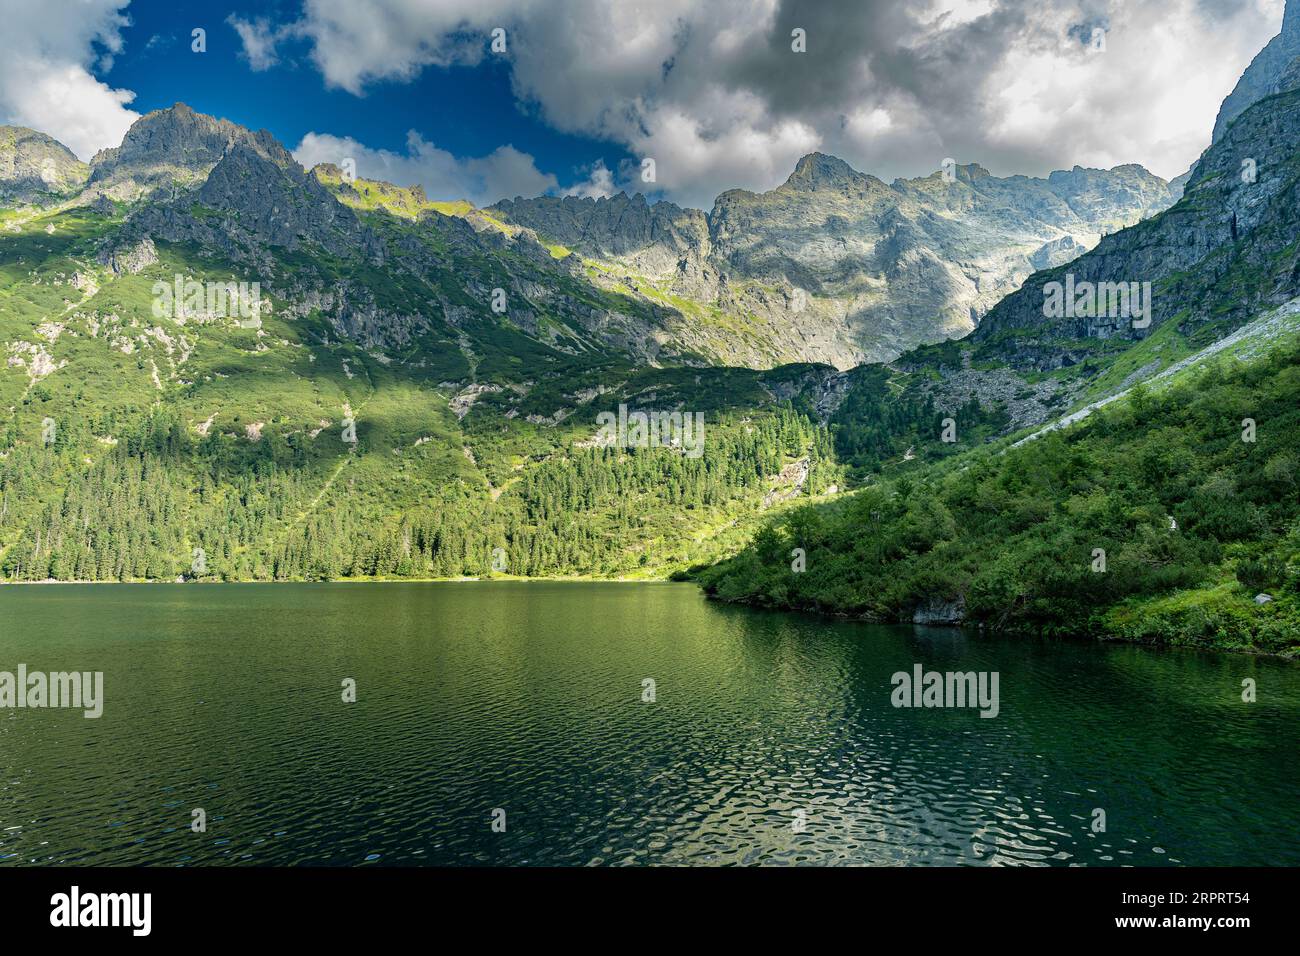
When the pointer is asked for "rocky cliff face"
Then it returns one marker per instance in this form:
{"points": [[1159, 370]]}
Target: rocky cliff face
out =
{"points": [[837, 266], [34, 166], [264, 199], [1262, 76], [1224, 251], [653, 238], [172, 147]]}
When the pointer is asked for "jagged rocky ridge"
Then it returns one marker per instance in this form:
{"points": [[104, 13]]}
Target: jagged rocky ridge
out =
{"points": [[833, 266], [1225, 251], [1265, 70], [173, 148], [836, 265], [1263, 77]]}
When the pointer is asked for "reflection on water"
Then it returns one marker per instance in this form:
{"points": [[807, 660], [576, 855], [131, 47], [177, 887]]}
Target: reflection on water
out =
{"points": [[527, 697]]}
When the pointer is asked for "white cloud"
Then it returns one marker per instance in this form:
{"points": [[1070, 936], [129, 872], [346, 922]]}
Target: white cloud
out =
{"points": [[598, 184], [1141, 100], [357, 43], [957, 11], [259, 41], [695, 158], [47, 51], [502, 174], [714, 94]]}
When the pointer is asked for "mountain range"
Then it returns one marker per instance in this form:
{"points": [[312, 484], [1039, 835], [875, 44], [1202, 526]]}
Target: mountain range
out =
{"points": [[833, 266], [388, 385], [837, 266]]}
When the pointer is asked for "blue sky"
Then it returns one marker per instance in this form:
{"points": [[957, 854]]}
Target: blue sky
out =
{"points": [[467, 110], [717, 93]]}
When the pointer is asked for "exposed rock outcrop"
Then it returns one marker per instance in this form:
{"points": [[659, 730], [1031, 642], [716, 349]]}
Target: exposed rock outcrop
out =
{"points": [[1261, 77], [1221, 254], [253, 199], [654, 238], [940, 611], [174, 147], [36, 167], [129, 258], [837, 266]]}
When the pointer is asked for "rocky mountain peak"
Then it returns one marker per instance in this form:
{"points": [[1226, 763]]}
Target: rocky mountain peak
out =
{"points": [[1262, 76], [33, 165], [1193, 257], [972, 172], [279, 203], [818, 170], [967, 173], [176, 145]]}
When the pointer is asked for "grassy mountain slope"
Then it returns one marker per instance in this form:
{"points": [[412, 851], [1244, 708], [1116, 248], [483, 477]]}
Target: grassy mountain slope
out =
{"points": [[207, 434], [135, 440], [131, 437], [1193, 521], [135, 437]]}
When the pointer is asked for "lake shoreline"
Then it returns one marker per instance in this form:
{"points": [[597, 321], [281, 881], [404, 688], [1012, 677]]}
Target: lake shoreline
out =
{"points": [[982, 629]]}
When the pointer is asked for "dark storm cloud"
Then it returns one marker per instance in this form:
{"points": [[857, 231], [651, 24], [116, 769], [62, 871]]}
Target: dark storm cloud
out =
{"points": [[892, 55], [714, 93], [878, 45]]}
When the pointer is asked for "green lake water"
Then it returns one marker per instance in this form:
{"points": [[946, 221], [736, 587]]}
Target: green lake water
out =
{"points": [[772, 738]]}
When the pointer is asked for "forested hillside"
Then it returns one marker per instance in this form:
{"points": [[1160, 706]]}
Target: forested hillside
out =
{"points": [[1169, 517], [160, 503]]}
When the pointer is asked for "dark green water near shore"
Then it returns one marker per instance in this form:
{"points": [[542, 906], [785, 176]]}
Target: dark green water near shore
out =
{"points": [[772, 738]]}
